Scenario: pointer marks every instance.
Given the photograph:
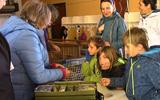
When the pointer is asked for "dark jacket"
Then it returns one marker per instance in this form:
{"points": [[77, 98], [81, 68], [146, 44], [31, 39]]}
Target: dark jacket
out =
{"points": [[143, 82], [114, 27], [117, 70], [6, 90]]}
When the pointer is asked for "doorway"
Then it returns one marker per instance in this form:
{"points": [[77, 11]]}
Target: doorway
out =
{"points": [[121, 6], [56, 27]]}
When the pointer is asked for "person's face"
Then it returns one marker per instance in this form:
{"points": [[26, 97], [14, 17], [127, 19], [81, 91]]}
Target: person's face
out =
{"points": [[2, 3], [131, 50], [104, 62], [107, 9], [92, 49], [144, 9], [47, 23]]}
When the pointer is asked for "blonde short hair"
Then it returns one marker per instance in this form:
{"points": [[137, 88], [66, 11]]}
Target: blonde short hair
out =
{"points": [[36, 12], [136, 36]]}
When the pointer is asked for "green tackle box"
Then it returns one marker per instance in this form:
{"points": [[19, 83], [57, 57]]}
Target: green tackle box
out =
{"points": [[66, 90]]}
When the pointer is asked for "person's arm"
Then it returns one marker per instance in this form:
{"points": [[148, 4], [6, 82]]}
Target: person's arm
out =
{"points": [[31, 53], [120, 31], [88, 72], [93, 78], [118, 82], [100, 27], [113, 82], [85, 68], [54, 47], [153, 72]]}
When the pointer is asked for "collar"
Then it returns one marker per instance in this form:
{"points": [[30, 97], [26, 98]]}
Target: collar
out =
{"points": [[146, 15]]}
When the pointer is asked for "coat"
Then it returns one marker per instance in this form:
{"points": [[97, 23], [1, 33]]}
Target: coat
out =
{"points": [[6, 89], [114, 27], [152, 24], [141, 78], [29, 57], [90, 70]]}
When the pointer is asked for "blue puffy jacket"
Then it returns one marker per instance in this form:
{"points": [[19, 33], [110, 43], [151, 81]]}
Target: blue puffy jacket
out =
{"points": [[29, 57]]}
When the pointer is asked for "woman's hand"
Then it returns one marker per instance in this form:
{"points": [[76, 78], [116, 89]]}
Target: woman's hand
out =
{"points": [[107, 43], [101, 28], [59, 66]]}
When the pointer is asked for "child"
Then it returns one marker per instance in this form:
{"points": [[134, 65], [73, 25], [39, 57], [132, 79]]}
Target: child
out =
{"points": [[142, 70], [89, 67], [111, 64]]}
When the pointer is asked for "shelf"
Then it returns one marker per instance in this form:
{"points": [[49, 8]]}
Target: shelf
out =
{"points": [[81, 20]]}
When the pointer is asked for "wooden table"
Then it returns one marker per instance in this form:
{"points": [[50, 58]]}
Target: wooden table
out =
{"points": [[111, 94]]}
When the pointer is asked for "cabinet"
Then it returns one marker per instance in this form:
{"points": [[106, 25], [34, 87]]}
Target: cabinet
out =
{"points": [[87, 25], [69, 50]]}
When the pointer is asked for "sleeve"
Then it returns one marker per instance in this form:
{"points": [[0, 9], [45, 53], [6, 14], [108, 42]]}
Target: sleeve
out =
{"points": [[85, 68], [99, 24], [153, 72], [118, 82], [30, 51], [88, 73], [121, 28], [121, 81], [93, 78]]}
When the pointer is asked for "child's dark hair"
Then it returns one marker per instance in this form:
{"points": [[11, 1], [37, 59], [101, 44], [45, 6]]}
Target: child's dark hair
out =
{"points": [[99, 42], [110, 53], [136, 36]]}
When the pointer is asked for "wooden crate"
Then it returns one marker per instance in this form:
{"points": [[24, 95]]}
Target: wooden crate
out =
{"points": [[66, 90]]}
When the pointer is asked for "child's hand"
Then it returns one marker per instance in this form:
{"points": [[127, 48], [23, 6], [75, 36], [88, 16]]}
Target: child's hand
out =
{"points": [[68, 72], [105, 81]]}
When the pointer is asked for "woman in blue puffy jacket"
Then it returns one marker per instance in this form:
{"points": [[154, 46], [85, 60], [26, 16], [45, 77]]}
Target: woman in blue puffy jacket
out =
{"points": [[28, 51]]}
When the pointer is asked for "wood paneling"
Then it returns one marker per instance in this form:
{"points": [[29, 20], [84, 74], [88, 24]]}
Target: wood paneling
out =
{"points": [[82, 7], [89, 7]]}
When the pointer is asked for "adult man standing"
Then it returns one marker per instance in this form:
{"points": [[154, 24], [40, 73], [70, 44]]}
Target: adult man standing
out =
{"points": [[150, 20]]}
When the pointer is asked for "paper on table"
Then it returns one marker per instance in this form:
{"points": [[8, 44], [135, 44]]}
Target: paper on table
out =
{"points": [[111, 94], [103, 89]]}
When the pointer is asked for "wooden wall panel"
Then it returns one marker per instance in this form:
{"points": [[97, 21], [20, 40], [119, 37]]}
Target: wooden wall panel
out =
{"points": [[86, 7], [82, 7]]}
